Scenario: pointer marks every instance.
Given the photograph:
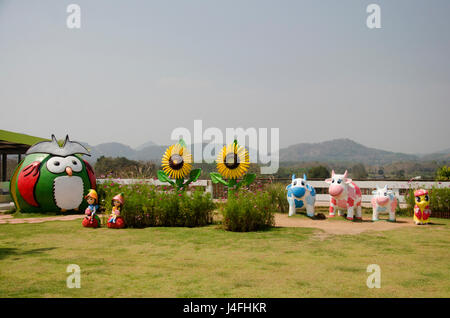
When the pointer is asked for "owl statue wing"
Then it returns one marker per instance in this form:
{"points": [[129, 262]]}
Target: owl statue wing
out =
{"points": [[26, 183], [91, 174]]}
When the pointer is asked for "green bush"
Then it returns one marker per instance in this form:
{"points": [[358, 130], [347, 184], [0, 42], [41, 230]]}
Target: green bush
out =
{"points": [[146, 205], [278, 195], [246, 211]]}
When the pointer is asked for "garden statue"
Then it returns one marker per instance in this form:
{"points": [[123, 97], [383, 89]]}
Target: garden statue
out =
{"points": [[52, 178], [383, 201], [177, 164], [345, 195], [116, 220], [422, 210], [299, 194], [91, 219], [233, 163]]}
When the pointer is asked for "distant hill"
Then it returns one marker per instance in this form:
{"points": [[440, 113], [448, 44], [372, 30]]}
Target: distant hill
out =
{"points": [[338, 150], [343, 150], [145, 145]]}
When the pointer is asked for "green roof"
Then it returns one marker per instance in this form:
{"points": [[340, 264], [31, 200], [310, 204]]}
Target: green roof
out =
{"points": [[17, 138]]}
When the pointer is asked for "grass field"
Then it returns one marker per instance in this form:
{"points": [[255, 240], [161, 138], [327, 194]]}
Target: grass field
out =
{"points": [[211, 262]]}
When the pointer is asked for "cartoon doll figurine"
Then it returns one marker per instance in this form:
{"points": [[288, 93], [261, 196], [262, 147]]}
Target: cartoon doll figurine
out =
{"points": [[91, 219], [422, 210], [115, 220]]}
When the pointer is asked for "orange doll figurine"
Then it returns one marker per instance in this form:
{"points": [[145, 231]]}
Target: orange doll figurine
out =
{"points": [[115, 220], [91, 219], [422, 210]]}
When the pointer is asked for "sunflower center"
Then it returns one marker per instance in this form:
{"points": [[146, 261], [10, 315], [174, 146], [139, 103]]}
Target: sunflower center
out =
{"points": [[176, 162], [231, 161]]}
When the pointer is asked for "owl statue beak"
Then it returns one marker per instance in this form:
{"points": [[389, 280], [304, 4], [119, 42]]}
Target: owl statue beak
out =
{"points": [[69, 171]]}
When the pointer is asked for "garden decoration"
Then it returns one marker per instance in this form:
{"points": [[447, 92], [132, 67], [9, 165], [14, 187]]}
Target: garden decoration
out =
{"points": [[91, 219], [232, 163], [422, 210], [115, 220], [383, 201], [177, 164], [52, 178], [299, 194], [345, 194]]}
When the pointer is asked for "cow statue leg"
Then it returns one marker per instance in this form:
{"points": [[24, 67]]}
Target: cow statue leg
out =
{"points": [[291, 206], [310, 210], [359, 212], [375, 214], [310, 200], [392, 215], [350, 213], [332, 208]]}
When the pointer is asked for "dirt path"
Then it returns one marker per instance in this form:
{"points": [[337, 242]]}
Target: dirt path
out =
{"points": [[337, 226], [342, 226], [9, 219]]}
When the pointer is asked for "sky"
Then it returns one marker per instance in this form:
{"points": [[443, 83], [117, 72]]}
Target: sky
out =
{"points": [[136, 70]]}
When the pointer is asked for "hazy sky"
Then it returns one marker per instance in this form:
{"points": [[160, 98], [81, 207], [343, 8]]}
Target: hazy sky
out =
{"points": [[138, 69]]}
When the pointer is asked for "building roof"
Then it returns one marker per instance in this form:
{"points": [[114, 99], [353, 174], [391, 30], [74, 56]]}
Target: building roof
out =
{"points": [[15, 143]]}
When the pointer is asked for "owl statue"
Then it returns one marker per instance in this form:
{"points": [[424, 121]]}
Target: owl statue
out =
{"points": [[52, 178]]}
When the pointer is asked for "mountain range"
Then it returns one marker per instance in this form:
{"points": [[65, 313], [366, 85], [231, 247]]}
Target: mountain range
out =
{"points": [[341, 150]]}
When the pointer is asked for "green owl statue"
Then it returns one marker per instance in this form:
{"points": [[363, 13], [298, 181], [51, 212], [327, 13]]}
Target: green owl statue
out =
{"points": [[52, 178]]}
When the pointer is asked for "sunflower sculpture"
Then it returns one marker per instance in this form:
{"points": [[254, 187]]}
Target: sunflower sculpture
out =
{"points": [[233, 163], [177, 164]]}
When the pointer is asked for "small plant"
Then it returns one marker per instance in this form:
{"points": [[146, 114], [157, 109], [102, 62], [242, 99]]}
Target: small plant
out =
{"points": [[278, 193], [246, 211], [443, 173]]}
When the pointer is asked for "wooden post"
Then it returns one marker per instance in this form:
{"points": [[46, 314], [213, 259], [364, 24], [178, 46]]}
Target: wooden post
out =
{"points": [[4, 159]]}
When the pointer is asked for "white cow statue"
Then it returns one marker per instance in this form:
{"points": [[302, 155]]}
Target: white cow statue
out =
{"points": [[383, 201]]}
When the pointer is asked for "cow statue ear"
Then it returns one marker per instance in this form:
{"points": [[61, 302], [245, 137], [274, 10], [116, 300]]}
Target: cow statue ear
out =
{"points": [[304, 176], [375, 191], [348, 180], [328, 180], [293, 177]]}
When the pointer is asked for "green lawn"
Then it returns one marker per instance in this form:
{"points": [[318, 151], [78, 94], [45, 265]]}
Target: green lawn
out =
{"points": [[210, 262]]}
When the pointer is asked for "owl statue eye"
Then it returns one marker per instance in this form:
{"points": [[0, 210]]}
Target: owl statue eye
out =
{"points": [[54, 165], [74, 163], [427, 198]]}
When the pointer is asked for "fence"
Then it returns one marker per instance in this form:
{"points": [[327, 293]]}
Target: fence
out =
{"points": [[219, 191]]}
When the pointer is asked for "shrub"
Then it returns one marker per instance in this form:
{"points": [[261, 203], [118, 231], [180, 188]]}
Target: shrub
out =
{"points": [[278, 196], [246, 211], [146, 205]]}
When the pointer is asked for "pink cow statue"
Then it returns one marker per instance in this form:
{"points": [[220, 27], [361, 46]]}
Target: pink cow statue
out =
{"points": [[345, 195], [383, 201]]}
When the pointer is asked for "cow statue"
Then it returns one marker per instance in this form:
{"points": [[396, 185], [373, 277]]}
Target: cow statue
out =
{"points": [[383, 201], [345, 194], [299, 194]]}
